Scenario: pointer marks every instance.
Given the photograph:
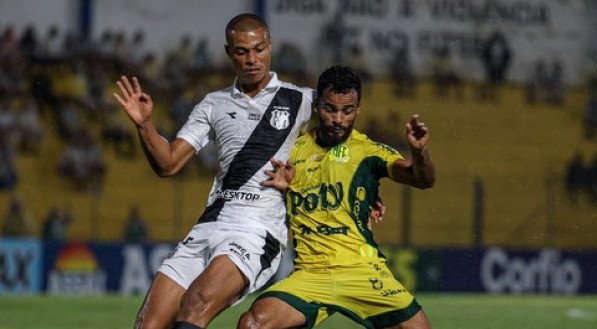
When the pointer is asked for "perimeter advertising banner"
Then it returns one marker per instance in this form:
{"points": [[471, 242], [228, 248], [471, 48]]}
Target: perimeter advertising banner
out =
{"points": [[100, 268], [498, 270], [20, 266], [129, 269]]}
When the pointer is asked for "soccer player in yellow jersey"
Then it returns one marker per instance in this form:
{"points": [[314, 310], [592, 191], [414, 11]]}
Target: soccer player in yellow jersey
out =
{"points": [[334, 172]]}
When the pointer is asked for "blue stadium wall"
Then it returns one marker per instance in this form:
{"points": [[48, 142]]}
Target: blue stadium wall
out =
{"points": [[29, 266]]}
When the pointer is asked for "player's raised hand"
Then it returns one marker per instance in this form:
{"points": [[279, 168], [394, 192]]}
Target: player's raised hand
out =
{"points": [[417, 133], [281, 176], [376, 214], [137, 105]]}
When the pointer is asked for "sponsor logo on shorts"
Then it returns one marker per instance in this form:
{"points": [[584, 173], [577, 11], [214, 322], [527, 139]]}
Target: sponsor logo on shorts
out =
{"points": [[239, 250], [392, 292], [237, 195], [376, 283]]}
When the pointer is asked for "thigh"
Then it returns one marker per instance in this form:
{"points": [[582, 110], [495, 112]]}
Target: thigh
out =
{"points": [[161, 304], [369, 294], [272, 312], [307, 292], [189, 257], [216, 288], [255, 253]]}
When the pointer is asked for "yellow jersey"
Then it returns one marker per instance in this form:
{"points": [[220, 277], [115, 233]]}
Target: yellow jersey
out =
{"points": [[330, 198]]}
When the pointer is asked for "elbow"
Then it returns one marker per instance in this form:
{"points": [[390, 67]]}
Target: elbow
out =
{"points": [[163, 172], [428, 183]]}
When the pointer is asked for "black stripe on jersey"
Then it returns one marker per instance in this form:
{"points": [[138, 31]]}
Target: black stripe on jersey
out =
{"points": [[270, 251], [264, 142], [260, 147]]}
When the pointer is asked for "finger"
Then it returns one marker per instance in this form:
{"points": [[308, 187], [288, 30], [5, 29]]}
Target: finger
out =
{"points": [[289, 165], [137, 86], [127, 84], [123, 90], [267, 183], [119, 99]]}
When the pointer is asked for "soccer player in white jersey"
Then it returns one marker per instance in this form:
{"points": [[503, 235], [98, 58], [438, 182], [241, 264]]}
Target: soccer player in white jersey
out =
{"points": [[236, 245]]}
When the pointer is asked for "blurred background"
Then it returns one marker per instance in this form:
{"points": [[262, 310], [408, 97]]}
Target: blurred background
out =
{"points": [[508, 89]]}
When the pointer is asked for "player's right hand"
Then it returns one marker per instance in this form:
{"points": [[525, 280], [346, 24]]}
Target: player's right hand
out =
{"points": [[137, 105], [281, 176]]}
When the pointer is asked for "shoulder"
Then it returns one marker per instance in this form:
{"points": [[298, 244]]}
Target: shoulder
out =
{"points": [[306, 91], [214, 98], [373, 146]]}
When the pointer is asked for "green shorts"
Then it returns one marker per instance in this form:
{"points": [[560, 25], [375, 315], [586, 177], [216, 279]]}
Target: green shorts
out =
{"points": [[367, 293]]}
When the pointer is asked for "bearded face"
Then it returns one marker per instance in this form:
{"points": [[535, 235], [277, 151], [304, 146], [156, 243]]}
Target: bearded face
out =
{"points": [[336, 113]]}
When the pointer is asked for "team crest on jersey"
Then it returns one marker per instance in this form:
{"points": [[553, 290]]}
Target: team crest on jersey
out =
{"points": [[280, 117], [339, 153]]}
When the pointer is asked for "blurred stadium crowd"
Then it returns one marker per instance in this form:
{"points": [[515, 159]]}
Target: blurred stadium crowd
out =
{"points": [[58, 83]]}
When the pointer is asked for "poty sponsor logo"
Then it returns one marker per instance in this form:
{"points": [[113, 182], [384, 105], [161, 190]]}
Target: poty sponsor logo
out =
{"points": [[547, 272], [237, 195]]}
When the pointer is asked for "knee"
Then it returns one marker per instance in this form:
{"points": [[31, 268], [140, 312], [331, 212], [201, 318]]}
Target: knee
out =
{"points": [[195, 303], [253, 319]]}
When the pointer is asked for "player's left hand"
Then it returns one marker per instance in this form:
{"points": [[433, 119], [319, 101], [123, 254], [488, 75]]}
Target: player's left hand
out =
{"points": [[417, 133], [376, 214]]}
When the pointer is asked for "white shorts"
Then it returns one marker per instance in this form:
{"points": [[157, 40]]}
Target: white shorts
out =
{"points": [[253, 250]]}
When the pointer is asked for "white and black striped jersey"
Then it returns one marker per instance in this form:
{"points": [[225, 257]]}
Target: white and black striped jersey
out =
{"points": [[248, 132]]}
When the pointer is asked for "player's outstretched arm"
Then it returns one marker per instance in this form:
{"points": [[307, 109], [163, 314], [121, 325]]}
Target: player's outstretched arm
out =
{"points": [[165, 158], [418, 171], [281, 175]]}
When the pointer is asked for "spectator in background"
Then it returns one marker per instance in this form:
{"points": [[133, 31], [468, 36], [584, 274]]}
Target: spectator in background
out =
{"points": [[405, 82], [17, 222], [9, 45], [537, 84], [332, 39], [8, 170], [496, 56], [69, 120], [356, 60], [56, 225], [446, 80], [590, 116], [592, 180], [290, 62], [8, 120], [50, 47], [135, 230], [29, 42], [201, 57], [29, 127], [83, 163], [555, 84], [117, 132], [577, 177], [136, 50]]}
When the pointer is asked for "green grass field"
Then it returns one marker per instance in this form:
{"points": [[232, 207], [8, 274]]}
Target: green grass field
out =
{"points": [[446, 311]]}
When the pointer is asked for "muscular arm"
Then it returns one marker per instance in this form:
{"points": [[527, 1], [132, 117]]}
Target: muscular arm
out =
{"points": [[165, 158], [418, 171]]}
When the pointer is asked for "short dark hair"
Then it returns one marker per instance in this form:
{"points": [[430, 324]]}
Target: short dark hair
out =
{"points": [[245, 22], [341, 79]]}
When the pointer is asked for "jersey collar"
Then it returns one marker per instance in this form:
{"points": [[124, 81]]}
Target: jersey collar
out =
{"points": [[271, 87]]}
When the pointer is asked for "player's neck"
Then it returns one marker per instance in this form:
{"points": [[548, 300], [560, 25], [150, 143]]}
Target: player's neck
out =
{"points": [[252, 89]]}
